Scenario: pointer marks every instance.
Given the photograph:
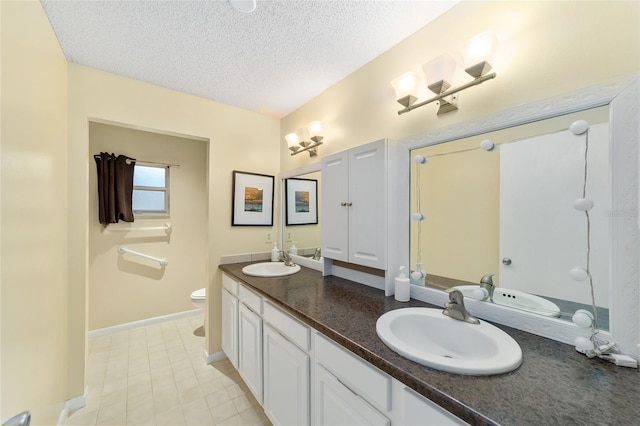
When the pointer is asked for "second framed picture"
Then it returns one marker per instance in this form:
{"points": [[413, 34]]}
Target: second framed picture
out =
{"points": [[252, 199], [301, 207]]}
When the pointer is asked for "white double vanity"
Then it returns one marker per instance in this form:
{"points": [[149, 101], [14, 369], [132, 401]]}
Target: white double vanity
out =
{"points": [[302, 377]]}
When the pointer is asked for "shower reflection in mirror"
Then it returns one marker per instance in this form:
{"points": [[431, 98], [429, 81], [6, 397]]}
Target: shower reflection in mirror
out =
{"points": [[512, 203]]}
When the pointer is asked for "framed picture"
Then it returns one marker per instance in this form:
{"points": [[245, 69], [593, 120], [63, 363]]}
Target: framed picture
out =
{"points": [[252, 199], [301, 202]]}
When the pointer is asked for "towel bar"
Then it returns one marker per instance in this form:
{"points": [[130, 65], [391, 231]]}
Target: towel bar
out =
{"points": [[162, 261]]}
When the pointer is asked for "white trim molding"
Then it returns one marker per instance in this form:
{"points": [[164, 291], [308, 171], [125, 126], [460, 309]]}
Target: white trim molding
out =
{"points": [[214, 357], [142, 323]]}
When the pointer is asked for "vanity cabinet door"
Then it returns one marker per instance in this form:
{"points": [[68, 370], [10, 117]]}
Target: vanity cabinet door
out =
{"points": [[230, 326], [335, 218], [368, 205], [286, 380], [354, 194], [250, 350], [335, 404], [419, 411]]}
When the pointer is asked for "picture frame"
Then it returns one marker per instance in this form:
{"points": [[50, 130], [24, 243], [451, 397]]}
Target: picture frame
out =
{"points": [[252, 203], [301, 202]]}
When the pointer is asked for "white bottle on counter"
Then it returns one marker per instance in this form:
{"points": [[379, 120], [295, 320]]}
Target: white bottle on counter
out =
{"points": [[403, 287], [293, 249], [275, 253]]}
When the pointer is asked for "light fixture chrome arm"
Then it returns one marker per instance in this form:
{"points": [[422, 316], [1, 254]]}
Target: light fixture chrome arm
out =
{"points": [[474, 82], [311, 147]]}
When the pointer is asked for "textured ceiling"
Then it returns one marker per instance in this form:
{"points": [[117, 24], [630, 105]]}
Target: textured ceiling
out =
{"points": [[271, 61]]}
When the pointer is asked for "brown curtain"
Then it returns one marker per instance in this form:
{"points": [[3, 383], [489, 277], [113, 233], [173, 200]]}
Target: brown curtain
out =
{"points": [[115, 187]]}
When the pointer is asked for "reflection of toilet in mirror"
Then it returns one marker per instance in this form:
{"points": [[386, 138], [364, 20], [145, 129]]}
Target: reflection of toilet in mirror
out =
{"points": [[199, 300]]}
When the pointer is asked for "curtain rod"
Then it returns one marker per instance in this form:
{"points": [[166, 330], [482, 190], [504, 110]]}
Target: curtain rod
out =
{"points": [[97, 157]]}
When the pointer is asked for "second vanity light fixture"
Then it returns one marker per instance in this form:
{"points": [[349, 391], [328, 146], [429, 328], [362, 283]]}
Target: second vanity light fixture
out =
{"points": [[438, 73], [306, 139]]}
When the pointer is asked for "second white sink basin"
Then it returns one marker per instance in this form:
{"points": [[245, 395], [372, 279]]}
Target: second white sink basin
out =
{"points": [[516, 299], [270, 269], [428, 337]]}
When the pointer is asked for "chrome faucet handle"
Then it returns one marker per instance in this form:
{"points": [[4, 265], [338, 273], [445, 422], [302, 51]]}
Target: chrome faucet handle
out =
{"points": [[486, 283], [286, 258], [456, 310]]}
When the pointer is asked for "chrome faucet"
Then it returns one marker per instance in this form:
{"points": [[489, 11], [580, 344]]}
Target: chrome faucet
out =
{"points": [[486, 283], [455, 309], [316, 254], [286, 258]]}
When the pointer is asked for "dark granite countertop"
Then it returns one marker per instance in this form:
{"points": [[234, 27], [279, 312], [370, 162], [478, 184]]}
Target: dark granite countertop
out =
{"points": [[555, 385]]}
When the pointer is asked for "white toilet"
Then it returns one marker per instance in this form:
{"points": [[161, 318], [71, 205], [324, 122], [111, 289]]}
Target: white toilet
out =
{"points": [[198, 298]]}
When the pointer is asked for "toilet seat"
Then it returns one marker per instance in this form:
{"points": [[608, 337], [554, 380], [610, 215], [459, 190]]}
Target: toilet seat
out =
{"points": [[199, 294]]}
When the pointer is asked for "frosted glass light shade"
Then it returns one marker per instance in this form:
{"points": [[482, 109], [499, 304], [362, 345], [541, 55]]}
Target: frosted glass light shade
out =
{"points": [[407, 87], [292, 140], [315, 129], [303, 135], [439, 73], [478, 54]]}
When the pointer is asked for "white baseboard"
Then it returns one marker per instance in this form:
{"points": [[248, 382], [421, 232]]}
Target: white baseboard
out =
{"points": [[142, 323], [72, 405], [214, 357], [62, 419]]}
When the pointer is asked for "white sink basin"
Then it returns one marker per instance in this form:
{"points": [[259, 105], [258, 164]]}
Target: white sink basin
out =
{"points": [[516, 299], [270, 269], [428, 337]]}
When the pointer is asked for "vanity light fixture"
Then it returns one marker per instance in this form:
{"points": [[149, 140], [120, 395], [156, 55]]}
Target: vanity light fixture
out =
{"points": [[438, 74], [306, 139]]}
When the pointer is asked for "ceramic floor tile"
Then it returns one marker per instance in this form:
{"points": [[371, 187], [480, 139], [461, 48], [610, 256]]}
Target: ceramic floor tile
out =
{"points": [[156, 375], [83, 418], [171, 417], [242, 403], [211, 386], [218, 398], [197, 413], [223, 412], [250, 417]]}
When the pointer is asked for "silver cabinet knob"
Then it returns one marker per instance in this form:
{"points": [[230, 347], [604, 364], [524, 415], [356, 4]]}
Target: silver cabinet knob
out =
{"points": [[506, 261]]}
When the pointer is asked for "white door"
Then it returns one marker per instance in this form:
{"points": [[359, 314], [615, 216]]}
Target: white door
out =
{"points": [[540, 178], [336, 405], [230, 326], [250, 350], [335, 213], [367, 209], [286, 380]]}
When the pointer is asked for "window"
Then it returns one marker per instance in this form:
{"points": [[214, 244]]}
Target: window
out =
{"points": [[151, 190]]}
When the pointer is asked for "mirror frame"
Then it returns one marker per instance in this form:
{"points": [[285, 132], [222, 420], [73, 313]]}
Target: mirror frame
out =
{"points": [[622, 96], [282, 176]]}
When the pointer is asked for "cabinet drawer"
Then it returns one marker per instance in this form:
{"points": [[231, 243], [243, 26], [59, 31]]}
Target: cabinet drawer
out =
{"points": [[250, 299], [364, 379], [230, 284], [295, 331]]}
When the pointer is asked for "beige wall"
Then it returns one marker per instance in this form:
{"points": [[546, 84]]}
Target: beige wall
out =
{"points": [[546, 49], [125, 288], [33, 177], [239, 140]]}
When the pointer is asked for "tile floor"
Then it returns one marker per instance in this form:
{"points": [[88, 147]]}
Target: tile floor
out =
{"points": [[156, 375]]}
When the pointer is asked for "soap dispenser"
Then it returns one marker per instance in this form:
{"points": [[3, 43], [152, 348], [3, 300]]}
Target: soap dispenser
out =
{"points": [[275, 253], [403, 287], [293, 249]]}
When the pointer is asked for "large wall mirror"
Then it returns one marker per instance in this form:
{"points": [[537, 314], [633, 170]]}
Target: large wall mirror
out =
{"points": [[301, 219], [511, 212]]}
